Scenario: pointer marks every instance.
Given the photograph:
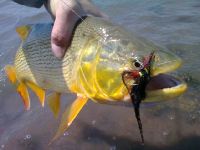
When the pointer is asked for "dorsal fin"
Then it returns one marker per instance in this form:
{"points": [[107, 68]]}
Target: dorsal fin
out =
{"points": [[23, 31]]}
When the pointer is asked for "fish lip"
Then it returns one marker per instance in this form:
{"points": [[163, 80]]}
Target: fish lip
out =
{"points": [[164, 62], [165, 86], [174, 65], [163, 73]]}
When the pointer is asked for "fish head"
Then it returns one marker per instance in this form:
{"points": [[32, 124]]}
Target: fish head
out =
{"points": [[150, 82], [151, 73], [127, 52]]}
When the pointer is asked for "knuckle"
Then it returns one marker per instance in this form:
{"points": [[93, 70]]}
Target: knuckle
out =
{"points": [[59, 39]]}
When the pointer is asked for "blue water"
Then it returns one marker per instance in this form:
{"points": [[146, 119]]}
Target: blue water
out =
{"points": [[174, 24]]}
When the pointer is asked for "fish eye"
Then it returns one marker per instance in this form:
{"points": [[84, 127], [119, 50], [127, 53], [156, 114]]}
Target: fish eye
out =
{"points": [[137, 64]]}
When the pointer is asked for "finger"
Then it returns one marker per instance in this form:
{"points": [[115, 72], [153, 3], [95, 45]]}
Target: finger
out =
{"points": [[62, 30], [59, 35]]}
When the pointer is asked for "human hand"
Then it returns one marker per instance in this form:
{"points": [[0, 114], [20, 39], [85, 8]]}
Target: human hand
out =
{"points": [[66, 13]]}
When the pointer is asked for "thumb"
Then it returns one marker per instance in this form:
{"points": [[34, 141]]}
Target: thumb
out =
{"points": [[62, 30]]}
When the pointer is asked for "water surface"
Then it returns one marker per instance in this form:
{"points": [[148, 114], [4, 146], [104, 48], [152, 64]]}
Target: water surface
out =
{"points": [[169, 125]]}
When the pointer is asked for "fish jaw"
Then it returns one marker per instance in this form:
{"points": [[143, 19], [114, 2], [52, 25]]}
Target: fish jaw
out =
{"points": [[164, 62], [161, 85]]}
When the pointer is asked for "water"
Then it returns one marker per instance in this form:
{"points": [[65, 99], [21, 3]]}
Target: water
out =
{"points": [[170, 125]]}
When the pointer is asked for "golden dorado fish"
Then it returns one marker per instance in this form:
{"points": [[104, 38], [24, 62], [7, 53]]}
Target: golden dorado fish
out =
{"points": [[104, 63]]}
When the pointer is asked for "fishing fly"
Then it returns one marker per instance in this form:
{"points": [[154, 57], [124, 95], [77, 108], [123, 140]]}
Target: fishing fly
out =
{"points": [[136, 91]]}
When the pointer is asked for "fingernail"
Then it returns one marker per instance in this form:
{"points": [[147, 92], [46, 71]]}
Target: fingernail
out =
{"points": [[58, 51]]}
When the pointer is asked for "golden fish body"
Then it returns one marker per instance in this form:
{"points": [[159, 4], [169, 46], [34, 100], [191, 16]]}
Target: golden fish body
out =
{"points": [[92, 67], [100, 51]]}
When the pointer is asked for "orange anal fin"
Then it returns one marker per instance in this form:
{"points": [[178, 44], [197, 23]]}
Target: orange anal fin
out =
{"points": [[38, 91], [69, 115], [23, 92], [11, 74], [53, 101]]}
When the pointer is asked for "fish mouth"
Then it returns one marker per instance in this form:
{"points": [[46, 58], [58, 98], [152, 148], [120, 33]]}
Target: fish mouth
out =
{"points": [[164, 86]]}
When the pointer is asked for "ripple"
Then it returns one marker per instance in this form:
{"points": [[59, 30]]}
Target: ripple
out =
{"points": [[2, 146], [27, 137], [66, 134], [114, 147], [93, 122], [114, 138], [7, 19], [171, 116], [89, 138], [165, 133]]}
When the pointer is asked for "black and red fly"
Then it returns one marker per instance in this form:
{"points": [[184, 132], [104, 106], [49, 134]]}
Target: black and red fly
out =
{"points": [[136, 90]]}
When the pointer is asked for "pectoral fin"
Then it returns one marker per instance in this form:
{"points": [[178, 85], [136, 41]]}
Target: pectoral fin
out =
{"points": [[23, 92], [53, 101], [38, 91], [69, 115], [11, 74]]}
